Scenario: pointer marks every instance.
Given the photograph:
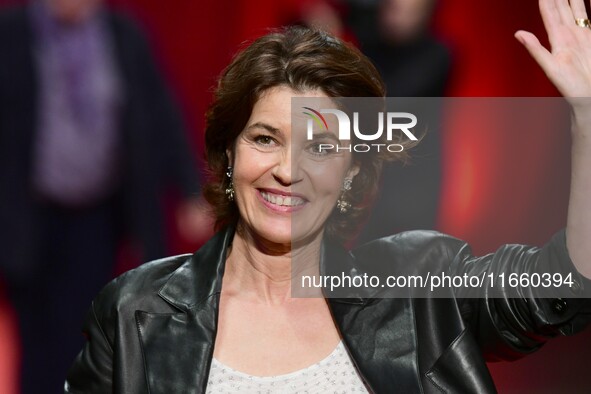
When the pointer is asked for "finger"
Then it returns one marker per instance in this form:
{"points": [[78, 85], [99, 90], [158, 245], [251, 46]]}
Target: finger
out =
{"points": [[536, 50], [551, 19], [549, 13], [578, 9], [565, 12]]}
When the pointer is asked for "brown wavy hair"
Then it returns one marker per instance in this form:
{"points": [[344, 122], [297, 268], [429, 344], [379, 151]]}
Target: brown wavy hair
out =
{"points": [[301, 59]]}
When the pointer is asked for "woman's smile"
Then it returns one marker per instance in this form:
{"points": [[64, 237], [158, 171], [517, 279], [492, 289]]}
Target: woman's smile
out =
{"points": [[281, 201]]}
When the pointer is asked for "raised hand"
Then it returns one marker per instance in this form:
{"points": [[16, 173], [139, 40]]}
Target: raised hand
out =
{"points": [[568, 63], [568, 66]]}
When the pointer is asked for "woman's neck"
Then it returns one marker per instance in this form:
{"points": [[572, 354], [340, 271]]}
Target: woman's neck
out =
{"points": [[260, 271]]}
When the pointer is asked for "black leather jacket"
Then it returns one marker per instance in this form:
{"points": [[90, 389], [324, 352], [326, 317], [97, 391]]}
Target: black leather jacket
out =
{"points": [[152, 330]]}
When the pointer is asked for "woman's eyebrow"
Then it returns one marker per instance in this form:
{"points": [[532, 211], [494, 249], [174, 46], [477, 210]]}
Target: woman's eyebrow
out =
{"points": [[325, 134], [262, 125]]}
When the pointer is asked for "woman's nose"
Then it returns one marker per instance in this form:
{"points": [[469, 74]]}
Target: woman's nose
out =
{"points": [[286, 171]]}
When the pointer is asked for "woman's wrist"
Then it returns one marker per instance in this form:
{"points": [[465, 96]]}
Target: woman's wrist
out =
{"points": [[581, 118]]}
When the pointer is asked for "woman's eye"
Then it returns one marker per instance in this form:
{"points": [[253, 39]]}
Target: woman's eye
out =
{"points": [[264, 140], [320, 149], [317, 149]]}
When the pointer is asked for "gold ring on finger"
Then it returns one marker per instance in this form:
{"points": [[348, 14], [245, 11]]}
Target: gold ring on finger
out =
{"points": [[583, 22]]}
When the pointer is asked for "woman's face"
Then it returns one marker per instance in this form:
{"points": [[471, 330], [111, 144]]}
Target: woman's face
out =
{"points": [[285, 188]]}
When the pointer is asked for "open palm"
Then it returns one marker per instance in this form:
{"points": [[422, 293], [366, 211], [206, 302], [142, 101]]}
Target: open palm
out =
{"points": [[568, 63]]}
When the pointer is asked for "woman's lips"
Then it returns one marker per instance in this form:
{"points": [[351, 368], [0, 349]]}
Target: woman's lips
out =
{"points": [[281, 201]]}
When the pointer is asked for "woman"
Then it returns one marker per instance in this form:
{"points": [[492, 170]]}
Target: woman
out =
{"points": [[223, 319]]}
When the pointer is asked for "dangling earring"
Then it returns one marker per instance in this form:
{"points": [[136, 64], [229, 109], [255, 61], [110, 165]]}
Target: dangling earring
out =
{"points": [[230, 188], [342, 204]]}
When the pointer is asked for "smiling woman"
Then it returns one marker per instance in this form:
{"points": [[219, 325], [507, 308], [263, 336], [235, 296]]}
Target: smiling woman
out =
{"points": [[224, 320]]}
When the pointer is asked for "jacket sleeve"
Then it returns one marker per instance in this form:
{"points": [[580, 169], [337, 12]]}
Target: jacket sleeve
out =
{"points": [[92, 370], [510, 319]]}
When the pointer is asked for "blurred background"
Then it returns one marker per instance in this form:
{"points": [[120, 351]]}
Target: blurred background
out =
{"points": [[485, 185]]}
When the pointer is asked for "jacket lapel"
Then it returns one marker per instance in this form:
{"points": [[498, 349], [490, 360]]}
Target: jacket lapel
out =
{"points": [[177, 350], [384, 350], [178, 347]]}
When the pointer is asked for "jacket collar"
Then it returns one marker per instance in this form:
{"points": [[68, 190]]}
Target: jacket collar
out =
{"points": [[336, 261], [200, 276]]}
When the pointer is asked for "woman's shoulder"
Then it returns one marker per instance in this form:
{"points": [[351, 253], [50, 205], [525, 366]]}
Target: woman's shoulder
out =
{"points": [[138, 288], [151, 272], [165, 285], [414, 242]]}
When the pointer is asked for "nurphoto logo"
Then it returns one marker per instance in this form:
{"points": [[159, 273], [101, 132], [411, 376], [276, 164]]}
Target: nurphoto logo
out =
{"points": [[392, 120]]}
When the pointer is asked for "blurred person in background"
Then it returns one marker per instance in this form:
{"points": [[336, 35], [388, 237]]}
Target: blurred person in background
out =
{"points": [[396, 35], [89, 142]]}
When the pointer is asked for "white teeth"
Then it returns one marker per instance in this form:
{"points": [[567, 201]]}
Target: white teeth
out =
{"points": [[282, 200]]}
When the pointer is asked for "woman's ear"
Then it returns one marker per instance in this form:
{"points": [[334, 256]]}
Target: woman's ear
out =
{"points": [[353, 171], [230, 158]]}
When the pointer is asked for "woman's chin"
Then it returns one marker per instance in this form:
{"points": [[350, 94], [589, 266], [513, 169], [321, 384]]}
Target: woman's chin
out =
{"points": [[279, 237], [268, 236], [284, 237]]}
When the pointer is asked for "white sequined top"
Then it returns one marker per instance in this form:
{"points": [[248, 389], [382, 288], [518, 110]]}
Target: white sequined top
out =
{"points": [[333, 374]]}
